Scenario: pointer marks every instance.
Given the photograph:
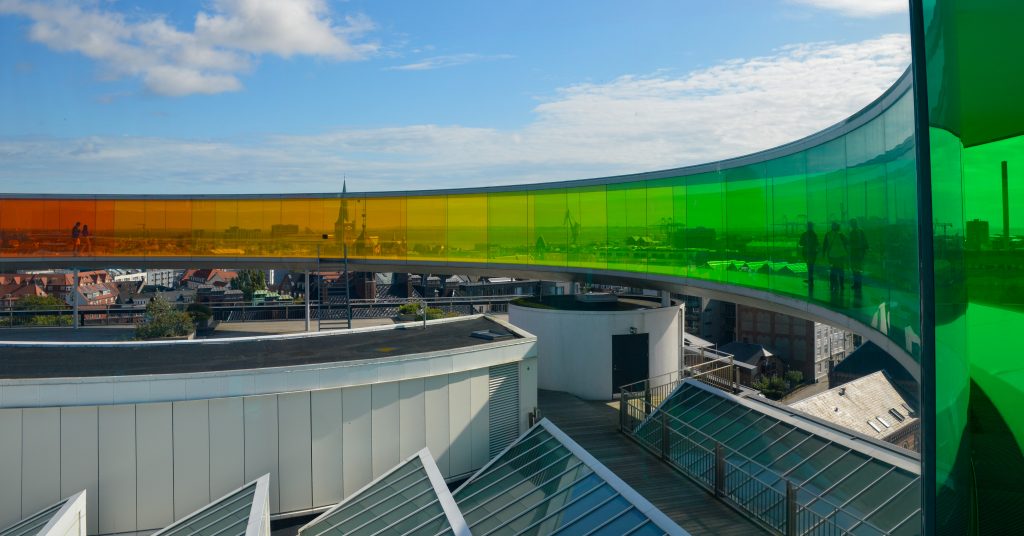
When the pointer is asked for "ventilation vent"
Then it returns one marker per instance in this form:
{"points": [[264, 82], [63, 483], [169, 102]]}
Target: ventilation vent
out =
{"points": [[503, 406]]}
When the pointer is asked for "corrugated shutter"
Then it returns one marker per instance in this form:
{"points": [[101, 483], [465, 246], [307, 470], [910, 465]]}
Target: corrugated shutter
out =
{"points": [[504, 406]]}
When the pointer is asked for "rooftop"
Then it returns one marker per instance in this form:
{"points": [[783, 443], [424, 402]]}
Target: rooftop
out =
{"points": [[870, 405], [571, 303], [59, 360]]}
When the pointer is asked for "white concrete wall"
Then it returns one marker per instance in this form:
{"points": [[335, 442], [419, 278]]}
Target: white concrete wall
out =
{"points": [[91, 391], [149, 464], [574, 348]]}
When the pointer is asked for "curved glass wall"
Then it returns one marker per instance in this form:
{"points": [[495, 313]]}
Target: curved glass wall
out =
{"points": [[976, 122], [742, 223]]}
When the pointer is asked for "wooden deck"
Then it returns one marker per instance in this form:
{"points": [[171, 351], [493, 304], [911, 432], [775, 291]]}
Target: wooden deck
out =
{"points": [[594, 425]]}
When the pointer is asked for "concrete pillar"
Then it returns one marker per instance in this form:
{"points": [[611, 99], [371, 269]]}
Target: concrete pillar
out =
{"points": [[306, 300], [666, 298]]}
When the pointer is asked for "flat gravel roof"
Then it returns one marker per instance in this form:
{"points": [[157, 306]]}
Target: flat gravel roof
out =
{"points": [[208, 355]]}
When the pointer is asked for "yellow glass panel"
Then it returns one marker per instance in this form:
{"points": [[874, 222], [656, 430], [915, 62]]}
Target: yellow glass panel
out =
{"points": [[467, 228], [426, 231]]}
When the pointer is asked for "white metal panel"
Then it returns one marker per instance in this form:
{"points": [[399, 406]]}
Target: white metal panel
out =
{"points": [[295, 463], [527, 391], [40, 486], [460, 455], [10, 466], [412, 435], [479, 418], [191, 456], [356, 430], [116, 504], [79, 453], [227, 446], [326, 447], [261, 453], [385, 427], [435, 394], [155, 465]]}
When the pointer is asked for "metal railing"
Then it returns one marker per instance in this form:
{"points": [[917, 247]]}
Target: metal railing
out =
{"points": [[710, 366], [238, 312], [778, 504]]}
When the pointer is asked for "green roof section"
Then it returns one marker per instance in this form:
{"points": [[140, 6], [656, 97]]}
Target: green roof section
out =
{"points": [[66, 518], [545, 483], [843, 481], [243, 512], [412, 498]]}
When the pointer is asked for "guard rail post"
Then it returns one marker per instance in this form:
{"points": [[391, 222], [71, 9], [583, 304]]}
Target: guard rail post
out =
{"points": [[719, 470], [623, 405], [665, 437], [790, 509]]}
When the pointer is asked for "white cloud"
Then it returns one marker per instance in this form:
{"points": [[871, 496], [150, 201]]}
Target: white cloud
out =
{"points": [[453, 60], [859, 8], [630, 124], [209, 59], [282, 28]]}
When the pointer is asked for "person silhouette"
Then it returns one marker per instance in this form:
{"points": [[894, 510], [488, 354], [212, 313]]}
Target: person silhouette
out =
{"points": [[809, 247], [858, 251], [86, 239], [76, 240], [836, 251]]}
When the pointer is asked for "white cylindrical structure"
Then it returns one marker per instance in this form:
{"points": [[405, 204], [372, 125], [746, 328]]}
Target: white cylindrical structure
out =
{"points": [[574, 348]]}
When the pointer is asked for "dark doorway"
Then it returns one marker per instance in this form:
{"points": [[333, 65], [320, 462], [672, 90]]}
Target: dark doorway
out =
{"points": [[630, 359]]}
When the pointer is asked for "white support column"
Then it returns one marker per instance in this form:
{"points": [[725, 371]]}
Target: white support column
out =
{"points": [[666, 298], [74, 302], [306, 299]]}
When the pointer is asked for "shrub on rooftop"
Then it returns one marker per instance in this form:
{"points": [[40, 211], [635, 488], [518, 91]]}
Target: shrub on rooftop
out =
{"points": [[162, 321]]}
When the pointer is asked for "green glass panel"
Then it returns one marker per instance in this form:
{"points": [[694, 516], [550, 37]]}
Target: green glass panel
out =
{"points": [[663, 227], [788, 180], [549, 228], [586, 212], [628, 243], [746, 220], [900, 242], [705, 225]]}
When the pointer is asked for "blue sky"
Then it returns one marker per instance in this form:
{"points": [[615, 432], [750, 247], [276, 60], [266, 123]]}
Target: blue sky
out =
{"points": [[225, 96]]}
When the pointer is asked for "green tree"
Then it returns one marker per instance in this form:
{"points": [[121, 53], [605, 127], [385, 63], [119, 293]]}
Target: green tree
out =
{"points": [[772, 387], [162, 320], [40, 303], [199, 313], [249, 281], [794, 377]]}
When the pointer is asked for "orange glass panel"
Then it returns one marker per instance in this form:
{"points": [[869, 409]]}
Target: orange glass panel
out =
{"points": [[103, 236], [383, 236], [129, 227], [204, 223]]}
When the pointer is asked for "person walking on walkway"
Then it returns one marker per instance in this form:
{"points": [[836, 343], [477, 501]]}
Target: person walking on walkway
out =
{"points": [[836, 250], [858, 251], [809, 247], [76, 241]]}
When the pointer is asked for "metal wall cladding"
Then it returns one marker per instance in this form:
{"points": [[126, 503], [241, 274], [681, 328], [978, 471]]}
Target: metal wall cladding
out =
{"points": [[148, 465]]}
